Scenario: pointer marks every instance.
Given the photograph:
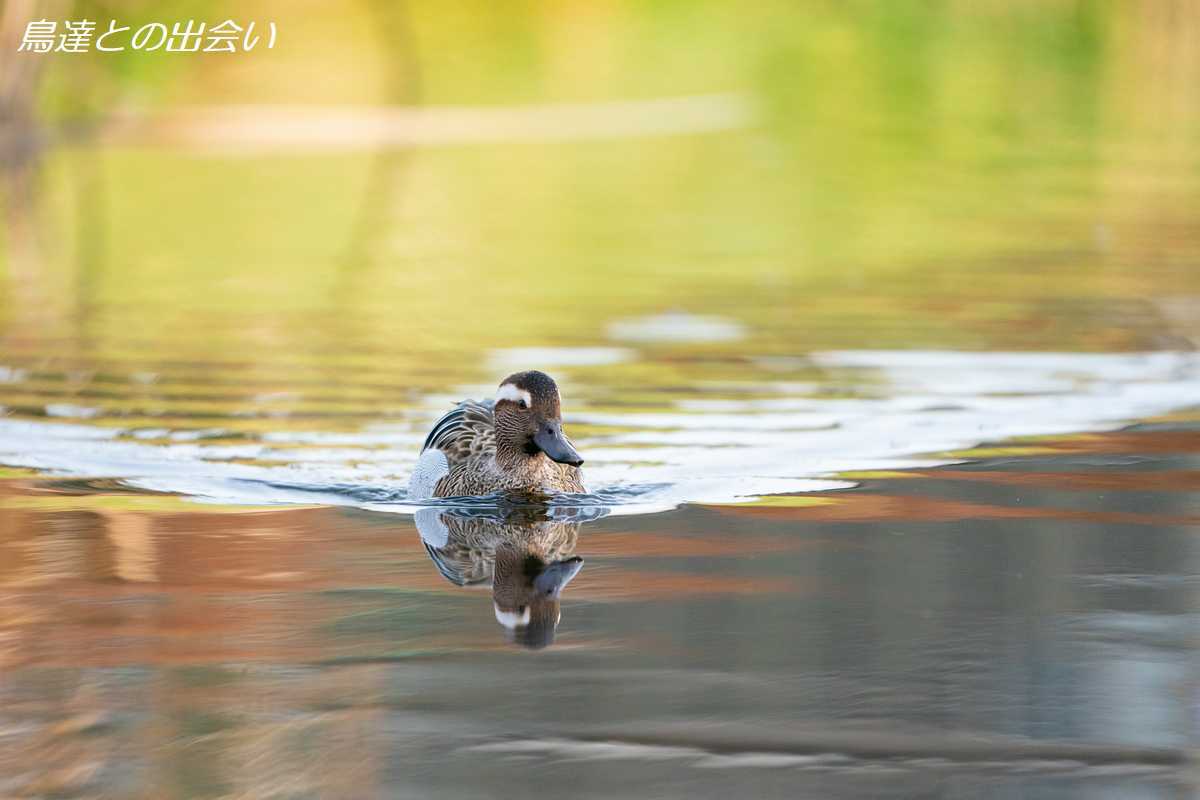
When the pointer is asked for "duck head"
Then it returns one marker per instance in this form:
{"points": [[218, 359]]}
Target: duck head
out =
{"points": [[529, 420], [525, 594]]}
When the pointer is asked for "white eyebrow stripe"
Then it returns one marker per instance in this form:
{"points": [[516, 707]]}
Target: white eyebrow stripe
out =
{"points": [[510, 619], [509, 391]]}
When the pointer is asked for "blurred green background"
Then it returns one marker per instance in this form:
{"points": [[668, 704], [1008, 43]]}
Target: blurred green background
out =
{"points": [[401, 187]]}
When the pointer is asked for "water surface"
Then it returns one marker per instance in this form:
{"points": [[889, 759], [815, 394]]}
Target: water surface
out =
{"points": [[1019, 626], [876, 323]]}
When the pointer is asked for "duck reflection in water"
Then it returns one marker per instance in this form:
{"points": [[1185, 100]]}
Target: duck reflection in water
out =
{"points": [[526, 552]]}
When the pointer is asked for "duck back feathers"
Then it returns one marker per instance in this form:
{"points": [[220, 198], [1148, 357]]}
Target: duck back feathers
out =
{"points": [[469, 429]]}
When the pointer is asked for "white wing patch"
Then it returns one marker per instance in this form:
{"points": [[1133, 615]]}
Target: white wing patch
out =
{"points": [[509, 391], [431, 467]]}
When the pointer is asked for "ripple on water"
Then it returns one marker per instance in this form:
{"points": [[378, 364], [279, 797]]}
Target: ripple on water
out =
{"points": [[732, 442]]}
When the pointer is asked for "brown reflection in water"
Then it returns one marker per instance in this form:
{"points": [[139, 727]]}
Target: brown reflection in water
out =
{"points": [[113, 587], [1129, 441], [1175, 480], [642, 585], [864, 507], [121, 587], [861, 508], [245, 732], [221, 652], [210, 620], [635, 546]]}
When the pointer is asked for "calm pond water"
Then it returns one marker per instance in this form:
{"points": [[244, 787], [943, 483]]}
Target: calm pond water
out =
{"points": [[877, 326]]}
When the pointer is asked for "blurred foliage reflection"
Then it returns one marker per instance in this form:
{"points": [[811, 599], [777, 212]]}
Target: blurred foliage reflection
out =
{"points": [[865, 174]]}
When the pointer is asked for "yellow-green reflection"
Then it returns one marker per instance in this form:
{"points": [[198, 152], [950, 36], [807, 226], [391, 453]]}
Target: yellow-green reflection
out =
{"points": [[957, 175]]}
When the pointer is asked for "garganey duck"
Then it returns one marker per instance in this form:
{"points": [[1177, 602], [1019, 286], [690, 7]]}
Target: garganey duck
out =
{"points": [[514, 442]]}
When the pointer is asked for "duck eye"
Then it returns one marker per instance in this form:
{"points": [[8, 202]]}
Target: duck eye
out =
{"points": [[524, 404]]}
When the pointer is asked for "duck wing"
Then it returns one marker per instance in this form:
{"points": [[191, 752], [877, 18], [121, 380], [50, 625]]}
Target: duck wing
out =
{"points": [[467, 430]]}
